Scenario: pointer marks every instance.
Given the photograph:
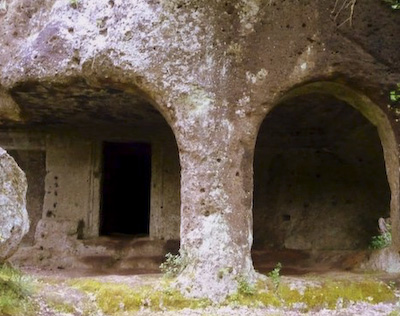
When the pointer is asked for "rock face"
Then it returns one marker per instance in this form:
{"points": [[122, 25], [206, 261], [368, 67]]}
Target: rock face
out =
{"points": [[383, 260], [14, 222], [214, 70]]}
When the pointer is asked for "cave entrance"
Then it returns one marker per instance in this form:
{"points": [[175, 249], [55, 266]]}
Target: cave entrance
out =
{"points": [[126, 189], [320, 178]]}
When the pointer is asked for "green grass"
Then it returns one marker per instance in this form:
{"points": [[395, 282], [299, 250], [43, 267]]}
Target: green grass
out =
{"points": [[15, 292]]}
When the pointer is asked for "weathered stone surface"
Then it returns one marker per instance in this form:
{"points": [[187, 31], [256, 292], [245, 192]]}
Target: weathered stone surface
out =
{"points": [[14, 222], [385, 259], [32, 162], [213, 70], [318, 184]]}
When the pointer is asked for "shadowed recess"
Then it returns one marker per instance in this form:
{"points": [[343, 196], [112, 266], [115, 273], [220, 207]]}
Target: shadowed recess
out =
{"points": [[320, 180]]}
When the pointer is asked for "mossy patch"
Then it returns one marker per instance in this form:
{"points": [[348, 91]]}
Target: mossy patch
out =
{"points": [[329, 294], [115, 298], [62, 307], [15, 292]]}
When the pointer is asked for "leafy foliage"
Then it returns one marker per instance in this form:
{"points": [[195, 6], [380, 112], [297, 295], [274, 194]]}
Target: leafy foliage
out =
{"points": [[275, 275], [395, 94], [395, 4], [381, 241], [173, 265], [245, 288]]}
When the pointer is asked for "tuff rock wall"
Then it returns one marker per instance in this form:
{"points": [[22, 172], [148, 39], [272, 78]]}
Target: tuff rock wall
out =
{"points": [[213, 70]]}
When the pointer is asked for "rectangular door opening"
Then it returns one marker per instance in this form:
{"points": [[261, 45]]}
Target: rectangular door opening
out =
{"points": [[125, 205]]}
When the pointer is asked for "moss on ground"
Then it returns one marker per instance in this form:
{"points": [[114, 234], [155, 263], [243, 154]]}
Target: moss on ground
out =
{"points": [[62, 307], [115, 298], [329, 294], [15, 293]]}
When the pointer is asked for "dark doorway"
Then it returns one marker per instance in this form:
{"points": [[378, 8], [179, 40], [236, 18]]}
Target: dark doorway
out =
{"points": [[126, 189]]}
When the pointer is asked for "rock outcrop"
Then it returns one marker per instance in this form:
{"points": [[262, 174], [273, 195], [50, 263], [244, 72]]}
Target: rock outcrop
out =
{"points": [[14, 222], [214, 70]]}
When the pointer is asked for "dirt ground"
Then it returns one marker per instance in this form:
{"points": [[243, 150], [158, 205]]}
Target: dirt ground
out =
{"points": [[55, 291]]}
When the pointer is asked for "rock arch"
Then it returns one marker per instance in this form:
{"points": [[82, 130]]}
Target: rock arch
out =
{"points": [[302, 166], [72, 122]]}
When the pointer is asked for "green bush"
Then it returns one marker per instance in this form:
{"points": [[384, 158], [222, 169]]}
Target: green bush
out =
{"points": [[276, 276], [381, 241], [395, 94]]}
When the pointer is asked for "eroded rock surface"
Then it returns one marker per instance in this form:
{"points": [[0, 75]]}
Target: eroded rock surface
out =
{"points": [[213, 70], [14, 222]]}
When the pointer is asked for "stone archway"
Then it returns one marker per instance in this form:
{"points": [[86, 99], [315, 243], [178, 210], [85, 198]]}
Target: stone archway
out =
{"points": [[325, 171], [76, 123]]}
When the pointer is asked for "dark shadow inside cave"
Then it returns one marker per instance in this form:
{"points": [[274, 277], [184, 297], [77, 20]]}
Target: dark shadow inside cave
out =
{"points": [[319, 178]]}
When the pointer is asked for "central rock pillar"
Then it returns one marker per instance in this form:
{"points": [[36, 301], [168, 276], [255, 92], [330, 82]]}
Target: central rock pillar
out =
{"points": [[216, 207]]}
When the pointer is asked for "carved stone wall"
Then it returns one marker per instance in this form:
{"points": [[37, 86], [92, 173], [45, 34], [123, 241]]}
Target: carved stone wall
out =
{"points": [[213, 70]]}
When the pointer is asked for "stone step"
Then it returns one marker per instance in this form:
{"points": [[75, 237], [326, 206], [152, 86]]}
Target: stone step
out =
{"points": [[126, 247], [109, 263], [137, 255]]}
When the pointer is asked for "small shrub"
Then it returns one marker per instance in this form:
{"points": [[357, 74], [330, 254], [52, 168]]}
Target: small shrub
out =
{"points": [[395, 94], [383, 240], [275, 275], [245, 288], [173, 265]]}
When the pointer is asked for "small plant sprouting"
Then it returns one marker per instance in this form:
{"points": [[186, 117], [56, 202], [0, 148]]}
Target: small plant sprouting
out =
{"points": [[395, 94], [275, 275], [381, 241], [244, 287], [385, 238], [173, 265]]}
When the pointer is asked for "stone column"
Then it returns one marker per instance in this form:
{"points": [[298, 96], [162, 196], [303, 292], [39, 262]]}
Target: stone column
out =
{"points": [[216, 211]]}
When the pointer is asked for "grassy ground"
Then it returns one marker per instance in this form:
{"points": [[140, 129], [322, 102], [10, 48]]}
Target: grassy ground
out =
{"points": [[59, 294], [15, 292]]}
